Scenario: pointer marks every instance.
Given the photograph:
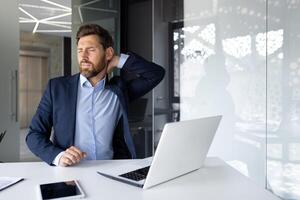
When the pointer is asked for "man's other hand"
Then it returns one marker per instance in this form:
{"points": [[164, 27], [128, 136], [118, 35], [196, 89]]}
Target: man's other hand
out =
{"points": [[113, 63], [71, 156]]}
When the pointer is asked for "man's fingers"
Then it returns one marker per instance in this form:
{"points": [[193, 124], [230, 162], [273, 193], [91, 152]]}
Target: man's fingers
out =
{"points": [[71, 156], [65, 161], [74, 157], [68, 159], [78, 151]]}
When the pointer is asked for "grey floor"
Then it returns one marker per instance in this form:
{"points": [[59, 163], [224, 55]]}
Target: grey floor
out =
{"points": [[25, 153]]}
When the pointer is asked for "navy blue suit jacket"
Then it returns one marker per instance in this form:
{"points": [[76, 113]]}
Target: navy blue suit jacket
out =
{"points": [[57, 109]]}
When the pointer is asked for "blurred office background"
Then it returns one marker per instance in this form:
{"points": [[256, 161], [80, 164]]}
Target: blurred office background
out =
{"points": [[236, 58]]}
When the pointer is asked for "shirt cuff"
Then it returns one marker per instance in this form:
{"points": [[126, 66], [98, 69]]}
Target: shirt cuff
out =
{"points": [[122, 60], [57, 158]]}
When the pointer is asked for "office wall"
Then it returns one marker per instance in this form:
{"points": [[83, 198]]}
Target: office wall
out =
{"points": [[9, 43], [53, 45], [140, 29]]}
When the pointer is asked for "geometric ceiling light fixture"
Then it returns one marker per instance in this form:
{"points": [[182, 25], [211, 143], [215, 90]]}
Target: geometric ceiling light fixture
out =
{"points": [[45, 16], [87, 6]]}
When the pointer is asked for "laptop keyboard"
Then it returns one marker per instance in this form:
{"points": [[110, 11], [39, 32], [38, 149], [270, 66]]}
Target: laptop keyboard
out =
{"points": [[137, 175]]}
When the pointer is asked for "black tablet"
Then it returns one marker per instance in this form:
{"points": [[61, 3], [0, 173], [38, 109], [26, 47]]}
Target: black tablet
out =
{"points": [[61, 190]]}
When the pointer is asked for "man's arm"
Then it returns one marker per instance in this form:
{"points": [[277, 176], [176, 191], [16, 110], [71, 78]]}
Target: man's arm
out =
{"points": [[38, 137], [140, 75]]}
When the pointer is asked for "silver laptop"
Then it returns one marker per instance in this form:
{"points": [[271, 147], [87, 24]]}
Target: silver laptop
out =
{"points": [[182, 148]]}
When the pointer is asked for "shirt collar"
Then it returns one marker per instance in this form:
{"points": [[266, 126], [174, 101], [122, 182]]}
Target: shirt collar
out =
{"points": [[84, 82]]}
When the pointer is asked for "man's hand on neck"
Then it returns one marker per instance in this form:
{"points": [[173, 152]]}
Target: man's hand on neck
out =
{"points": [[95, 79], [113, 63]]}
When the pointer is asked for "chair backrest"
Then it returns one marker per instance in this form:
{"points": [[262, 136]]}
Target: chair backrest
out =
{"points": [[2, 134]]}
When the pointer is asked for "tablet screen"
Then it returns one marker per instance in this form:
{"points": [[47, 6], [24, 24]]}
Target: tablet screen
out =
{"points": [[61, 190]]}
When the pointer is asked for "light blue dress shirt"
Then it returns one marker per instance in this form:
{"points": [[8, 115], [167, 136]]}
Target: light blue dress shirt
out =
{"points": [[98, 112]]}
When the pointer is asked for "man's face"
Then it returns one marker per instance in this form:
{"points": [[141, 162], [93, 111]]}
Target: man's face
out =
{"points": [[91, 56]]}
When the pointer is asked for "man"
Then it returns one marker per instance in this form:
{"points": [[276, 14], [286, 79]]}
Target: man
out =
{"points": [[88, 112]]}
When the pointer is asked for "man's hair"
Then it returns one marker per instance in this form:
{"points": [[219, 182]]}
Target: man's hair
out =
{"points": [[94, 29]]}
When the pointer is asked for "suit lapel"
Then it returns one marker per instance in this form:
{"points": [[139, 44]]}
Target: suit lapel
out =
{"points": [[72, 105]]}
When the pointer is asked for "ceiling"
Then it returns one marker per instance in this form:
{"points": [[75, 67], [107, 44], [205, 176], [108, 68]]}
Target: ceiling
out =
{"points": [[46, 16]]}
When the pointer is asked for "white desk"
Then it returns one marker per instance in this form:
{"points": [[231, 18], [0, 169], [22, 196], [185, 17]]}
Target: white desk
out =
{"points": [[215, 181]]}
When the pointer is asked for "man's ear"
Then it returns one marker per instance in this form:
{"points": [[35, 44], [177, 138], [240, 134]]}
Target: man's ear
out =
{"points": [[109, 53]]}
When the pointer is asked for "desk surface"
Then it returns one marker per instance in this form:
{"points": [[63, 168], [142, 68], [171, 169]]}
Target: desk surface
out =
{"points": [[215, 181]]}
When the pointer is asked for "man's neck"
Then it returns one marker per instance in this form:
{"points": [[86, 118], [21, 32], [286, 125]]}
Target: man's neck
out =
{"points": [[94, 80]]}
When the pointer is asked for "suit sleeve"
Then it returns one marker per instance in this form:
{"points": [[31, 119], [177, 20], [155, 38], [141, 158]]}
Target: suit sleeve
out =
{"points": [[140, 76], [38, 137]]}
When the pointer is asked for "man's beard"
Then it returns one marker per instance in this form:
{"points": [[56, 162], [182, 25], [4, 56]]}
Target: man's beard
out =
{"points": [[90, 71]]}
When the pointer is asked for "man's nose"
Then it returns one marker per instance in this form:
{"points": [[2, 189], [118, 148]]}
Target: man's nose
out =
{"points": [[84, 54]]}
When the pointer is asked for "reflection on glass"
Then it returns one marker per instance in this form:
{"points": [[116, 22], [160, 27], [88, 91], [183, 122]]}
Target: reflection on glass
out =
{"points": [[208, 34], [275, 41], [230, 78], [238, 46]]}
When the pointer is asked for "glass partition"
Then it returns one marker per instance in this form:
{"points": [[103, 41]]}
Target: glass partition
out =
{"points": [[218, 67], [238, 59], [283, 102], [223, 72]]}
